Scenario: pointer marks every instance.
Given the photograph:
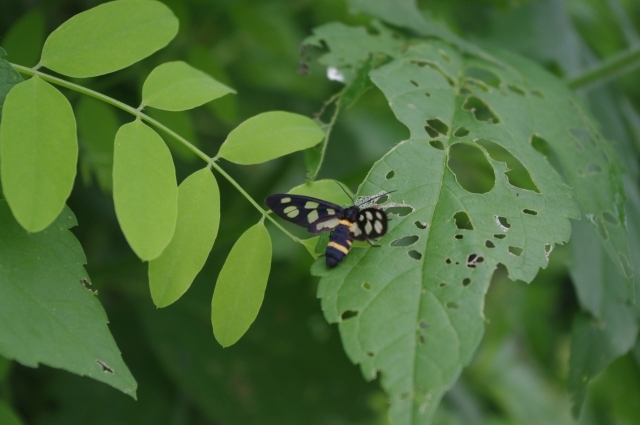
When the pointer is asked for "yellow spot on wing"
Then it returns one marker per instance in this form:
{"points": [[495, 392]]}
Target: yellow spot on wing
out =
{"points": [[312, 216], [311, 205], [331, 211], [285, 200]]}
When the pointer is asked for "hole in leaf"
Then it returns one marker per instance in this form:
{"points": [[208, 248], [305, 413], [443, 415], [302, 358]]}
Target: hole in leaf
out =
{"points": [[414, 83], [543, 147], [348, 314], [431, 132], [502, 222], [594, 168], [437, 144], [422, 324], [442, 284], [444, 55], [610, 218], [382, 199], [480, 110], [462, 220], [105, 367], [405, 241], [458, 236], [399, 211], [499, 236], [421, 339], [547, 250], [448, 261], [515, 250], [484, 75], [489, 244], [390, 175], [415, 254], [366, 286], [369, 353], [427, 94], [624, 261], [471, 168], [451, 305], [464, 91], [461, 132], [473, 260], [538, 93], [530, 212], [517, 175], [466, 281], [516, 89], [438, 126], [420, 225]]}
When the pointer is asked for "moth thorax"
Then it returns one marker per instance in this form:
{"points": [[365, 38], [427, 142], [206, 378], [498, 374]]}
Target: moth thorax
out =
{"points": [[351, 214]]}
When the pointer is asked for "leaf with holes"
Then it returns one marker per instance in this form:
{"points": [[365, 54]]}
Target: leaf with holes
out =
{"points": [[48, 311], [475, 186]]}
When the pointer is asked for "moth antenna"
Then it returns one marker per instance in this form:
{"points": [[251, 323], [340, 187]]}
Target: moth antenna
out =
{"points": [[346, 193], [383, 194]]}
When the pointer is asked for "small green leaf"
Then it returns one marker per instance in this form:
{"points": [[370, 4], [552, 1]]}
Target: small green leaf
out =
{"points": [[240, 288], [327, 190], [171, 274], [49, 313], [177, 86], [97, 127], [109, 37], [38, 150], [25, 38], [144, 189], [9, 77], [268, 136]]}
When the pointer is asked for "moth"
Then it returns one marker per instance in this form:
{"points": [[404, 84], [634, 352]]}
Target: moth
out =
{"points": [[346, 224]]}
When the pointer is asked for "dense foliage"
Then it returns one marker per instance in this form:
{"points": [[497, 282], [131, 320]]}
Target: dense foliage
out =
{"points": [[503, 131]]}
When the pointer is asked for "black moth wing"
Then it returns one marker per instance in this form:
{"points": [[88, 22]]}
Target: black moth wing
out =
{"points": [[314, 214], [371, 223]]}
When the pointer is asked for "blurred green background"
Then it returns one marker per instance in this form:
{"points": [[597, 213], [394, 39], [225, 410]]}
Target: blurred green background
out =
{"points": [[290, 367]]}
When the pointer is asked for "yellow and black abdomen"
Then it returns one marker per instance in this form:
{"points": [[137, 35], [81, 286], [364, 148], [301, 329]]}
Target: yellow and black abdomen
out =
{"points": [[339, 243]]}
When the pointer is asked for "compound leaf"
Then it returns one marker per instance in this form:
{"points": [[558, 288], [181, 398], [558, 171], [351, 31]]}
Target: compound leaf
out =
{"points": [[177, 86], [109, 37], [145, 192], [240, 287], [38, 152], [171, 274], [49, 314]]}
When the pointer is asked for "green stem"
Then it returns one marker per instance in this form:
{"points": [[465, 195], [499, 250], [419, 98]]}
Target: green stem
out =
{"points": [[133, 111], [611, 67], [325, 142]]}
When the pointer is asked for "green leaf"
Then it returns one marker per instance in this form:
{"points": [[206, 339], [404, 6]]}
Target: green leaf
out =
{"points": [[360, 84], [49, 314], [38, 152], [9, 77], [327, 190], [145, 192], [240, 287], [97, 128], [25, 38], [171, 274], [268, 136], [310, 245], [177, 86], [8, 416], [109, 37], [182, 124], [476, 189]]}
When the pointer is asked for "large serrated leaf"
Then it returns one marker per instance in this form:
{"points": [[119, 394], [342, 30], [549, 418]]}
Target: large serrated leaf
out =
{"points": [[38, 152], [412, 310], [109, 37], [48, 313], [145, 192]]}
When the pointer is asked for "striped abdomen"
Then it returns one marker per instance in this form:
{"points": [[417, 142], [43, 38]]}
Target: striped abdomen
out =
{"points": [[339, 243]]}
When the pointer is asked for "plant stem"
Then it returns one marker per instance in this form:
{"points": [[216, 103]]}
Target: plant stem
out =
{"points": [[135, 112], [611, 67]]}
